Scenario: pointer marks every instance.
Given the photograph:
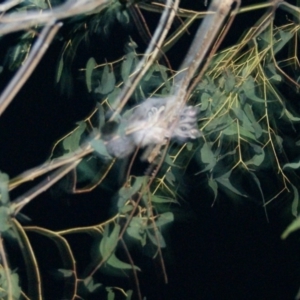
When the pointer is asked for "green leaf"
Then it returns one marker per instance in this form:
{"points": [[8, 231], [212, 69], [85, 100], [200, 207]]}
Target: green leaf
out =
{"points": [[249, 113], [111, 98], [40, 3], [5, 223], [257, 159], [90, 65], [72, 141], [214, 186], [90, 285], [273, 70], [100, 148], [111, 294], [231, 129], [295, 225], [108, 81], [122, 16], [60, 69], [295, 202], [249, 88], [219, 123], [285, 36], [246, 133], [207, 156], [157, 239], [163, 219], [243, 118], [109, 243], [127, 65], [125, 193], [260, 190], [189, 146], [135, 233], [279, 141], [66, 273], [169, 161], [290, 116], [4, 195], [170, 178], [125, 209], [157, 199], [136, 229], [129, 294], [14, 281], [224, 180], [113, 261], [292, 165], [230, 82]]}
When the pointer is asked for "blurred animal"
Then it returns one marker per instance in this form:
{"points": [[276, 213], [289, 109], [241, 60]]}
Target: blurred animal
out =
{"points": [[150, 124]]}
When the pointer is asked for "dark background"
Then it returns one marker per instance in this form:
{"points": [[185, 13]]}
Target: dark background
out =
{"points": [[228, 251]]}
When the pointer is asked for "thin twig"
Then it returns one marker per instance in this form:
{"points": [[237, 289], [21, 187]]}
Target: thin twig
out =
{"points": [[49, 166], [17, 21], [21, 201], [36, 54], [151, 53]]}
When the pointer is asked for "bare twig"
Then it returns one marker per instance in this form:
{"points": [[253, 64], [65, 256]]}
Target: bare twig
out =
{"points": [[21, 201], [36, 54], [49, 166], [16, 21], [153, 50], [8, 5]]}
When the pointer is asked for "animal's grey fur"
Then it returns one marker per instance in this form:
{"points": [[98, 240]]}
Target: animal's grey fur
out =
{"points": [[150, 124]]}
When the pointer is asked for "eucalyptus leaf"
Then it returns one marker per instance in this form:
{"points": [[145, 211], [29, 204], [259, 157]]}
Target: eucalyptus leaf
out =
{"points": [[40, 3], [169, 161], [126, 192], [295, 203], [111, 98], [256, 160], [129, 294], [14, 281], [60, 69], [71, 142], [229, 82], [214, 186], [110, 294], [292, 165], [157, 239], [4, 195], [136, 229], [170, 178], [290, 116], [127, 65], [108, 81], [5, 222], [100, 148], [90, 65], [158, 199], [66, 273], [207, 156], [295, 225], [118, 264], [224, 180], [285, 36], [243, 118], [163, 219], [256, 180], [90, 285], [205, 98], [249, 89], [109, 242]]}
